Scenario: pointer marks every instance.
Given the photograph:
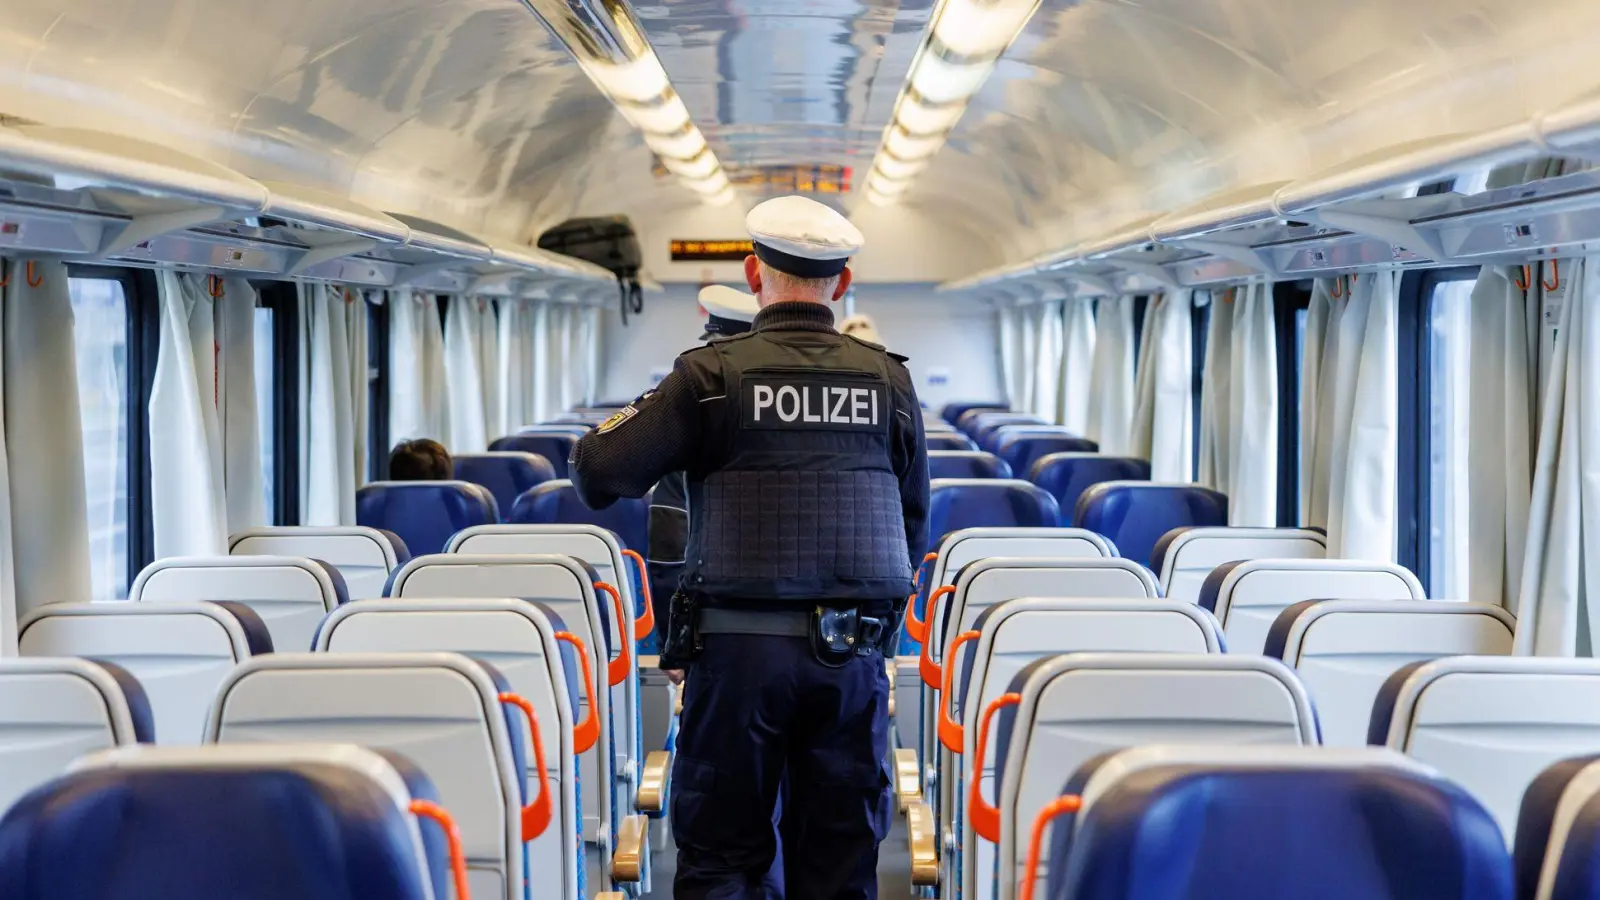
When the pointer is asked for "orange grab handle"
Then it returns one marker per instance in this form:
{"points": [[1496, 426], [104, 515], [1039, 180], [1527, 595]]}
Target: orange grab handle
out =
{"points": [[34, 278], [917, 628], [925, 664], [5, 274], [585, 733], [536, 815], [618, 668], [985, 818], [951, 734], [1526, 279], [214, 286], [427, 809], [1555, 270], [1060, 806], [647, 622], [1338, 288]]}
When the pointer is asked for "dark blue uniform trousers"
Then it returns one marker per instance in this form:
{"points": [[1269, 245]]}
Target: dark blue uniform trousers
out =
{"points": [[763, 719]]}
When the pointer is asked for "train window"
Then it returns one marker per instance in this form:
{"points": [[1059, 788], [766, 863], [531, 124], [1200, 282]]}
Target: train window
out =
{"points": [[1449, 343], [100, 336], [266, 409]]}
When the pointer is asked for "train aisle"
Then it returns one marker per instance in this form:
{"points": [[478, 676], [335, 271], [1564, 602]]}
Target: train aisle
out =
{"points": [[894, 865]]}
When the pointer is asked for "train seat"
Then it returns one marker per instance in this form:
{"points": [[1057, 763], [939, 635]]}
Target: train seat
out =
{"points": [[557, 503], [1252, 823], [987, 428], [506, 473], [1558, 831], [949, 440], [291, 594], [1491, 723], [1345, 649], [1185, 556], [1248, 595], [554, 443], [425, 513], [363, 556], [519, 639], [1022, 447], [228, 822], [56, 709], [953, 412], [1012, 634], [450, 715], [957, 503], [947, 464], [1136, 514], [1066, 476], [565, 585], [178, 651], [978, 423]]}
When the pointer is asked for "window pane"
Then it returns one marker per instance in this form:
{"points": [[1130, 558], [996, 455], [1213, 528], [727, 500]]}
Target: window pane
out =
{"points": [[100, 336], [267, 421], [1449, 330]]}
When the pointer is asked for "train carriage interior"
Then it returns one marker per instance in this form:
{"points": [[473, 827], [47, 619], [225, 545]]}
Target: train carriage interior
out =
{"points": [[1253, 343]]}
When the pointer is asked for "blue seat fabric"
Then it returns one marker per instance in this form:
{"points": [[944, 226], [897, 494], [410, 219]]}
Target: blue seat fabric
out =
{"points": [[1136, 516], [425, 514], [555, 446], [966, 464], [507, 477], [1067, 477], [557, 502]]}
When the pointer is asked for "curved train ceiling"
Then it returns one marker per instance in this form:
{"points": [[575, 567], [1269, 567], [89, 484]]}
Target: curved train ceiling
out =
{"points": [[1102, 112]]}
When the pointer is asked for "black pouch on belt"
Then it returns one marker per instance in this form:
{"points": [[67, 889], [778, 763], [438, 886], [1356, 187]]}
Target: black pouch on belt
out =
{"points": [[682, 643], [839, 634]]}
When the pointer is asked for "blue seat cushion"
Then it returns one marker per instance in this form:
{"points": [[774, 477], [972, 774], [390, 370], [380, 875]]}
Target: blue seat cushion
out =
{"points": [[999, 503], [950, 441], [555, 446], [256, 635], [1213, 833], [1383, 705], [507, 477], [1136, 516], [1066, 477], [425, 514], [966, 464], [1021, 451], [557, 502]]}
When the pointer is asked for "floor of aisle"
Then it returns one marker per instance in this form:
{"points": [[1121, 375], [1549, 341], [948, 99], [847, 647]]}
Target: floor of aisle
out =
{"points": [[894, 866]]}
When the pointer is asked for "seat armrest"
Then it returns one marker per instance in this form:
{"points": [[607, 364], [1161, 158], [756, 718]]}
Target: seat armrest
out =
{"points": [[920, 835], [653, 781], [627, 863], [907, 778]]}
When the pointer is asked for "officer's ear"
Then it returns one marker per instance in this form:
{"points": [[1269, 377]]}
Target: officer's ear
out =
{"points": [[752, 273], [844, 283]]}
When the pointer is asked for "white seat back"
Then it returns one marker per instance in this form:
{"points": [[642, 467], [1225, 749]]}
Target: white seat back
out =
{"points": [[1343, 650], [972, 544], [1492, 723], [363, 556], [56, 709], [1247, 596], [1185, 556], [518, 639], [179, 652], [439, 710], [1078, 706], [290, 594]]}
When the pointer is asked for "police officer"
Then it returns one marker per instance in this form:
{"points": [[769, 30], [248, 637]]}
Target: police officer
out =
{"points": [[807, 478], [728, 313]]}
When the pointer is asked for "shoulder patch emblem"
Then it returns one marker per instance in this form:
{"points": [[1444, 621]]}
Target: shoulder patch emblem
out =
{"points": [[626, 413]]}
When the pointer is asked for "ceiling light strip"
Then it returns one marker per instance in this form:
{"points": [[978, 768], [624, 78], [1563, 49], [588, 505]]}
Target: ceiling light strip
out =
{"points": [[965, 39]]}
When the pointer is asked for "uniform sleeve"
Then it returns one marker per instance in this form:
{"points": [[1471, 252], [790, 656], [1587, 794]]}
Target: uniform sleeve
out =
{"points": [[911, 462], [655, 435]]}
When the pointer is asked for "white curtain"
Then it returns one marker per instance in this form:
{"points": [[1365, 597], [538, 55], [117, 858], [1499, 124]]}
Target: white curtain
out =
{"points": [[468, 431], [1239, 405], [44, 527], [557, 353], [489, 367], [1027, 322], [1556, 614], [515, 369], [1352, 487], [1077, 363], [1111, 397], [591, 355], [334, 391], [1010, 357], [187, 475], [1314, 345], [1047, 363], [1162, 430], [419, 400], [235, 317], [546, 349]]}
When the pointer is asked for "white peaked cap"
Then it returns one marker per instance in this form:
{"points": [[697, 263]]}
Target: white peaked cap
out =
{"points": [[726, 303], [802, 237]]}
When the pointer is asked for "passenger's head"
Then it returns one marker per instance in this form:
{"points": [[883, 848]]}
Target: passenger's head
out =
{"points": [[802, 252], [861, 326], [420, 460]]}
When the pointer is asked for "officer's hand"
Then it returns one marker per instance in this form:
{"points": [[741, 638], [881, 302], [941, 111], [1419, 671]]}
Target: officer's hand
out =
{"points": [[674, 675]]}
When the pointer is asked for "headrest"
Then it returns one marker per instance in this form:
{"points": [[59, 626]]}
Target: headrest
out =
{"points": [[337, 544], [554, 444], [1021, 448], [953, 412], [1136, 514], [557, 502], [1065, 476], [507, 474], [424, 513], [979, 426], [1403, 691], [958, 503], [1286, 640], [949, 440], [1191, 546], [1344, 579], [1252, 832], [322, 823], [122, 698], [965, 464]]}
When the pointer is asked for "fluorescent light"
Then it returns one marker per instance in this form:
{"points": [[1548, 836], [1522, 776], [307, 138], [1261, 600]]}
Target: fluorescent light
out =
{"points": [[897, 169], [885, 186], [940, 81], [699, 167], [667, 117], [721, 198], [709, 186], [919, 117], [909, 148], [981, 28], [687, 145], [641, 80]]}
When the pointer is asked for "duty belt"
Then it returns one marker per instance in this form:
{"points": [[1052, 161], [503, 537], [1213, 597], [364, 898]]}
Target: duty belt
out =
{"points": [[766, 622], [836, 635]]}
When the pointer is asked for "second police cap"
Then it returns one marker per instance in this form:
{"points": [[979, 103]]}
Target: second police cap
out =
{"points": [[802, 237], [731, 311]]}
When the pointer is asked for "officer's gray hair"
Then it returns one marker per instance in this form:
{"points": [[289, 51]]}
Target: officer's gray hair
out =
{"points": [[782, 285]]}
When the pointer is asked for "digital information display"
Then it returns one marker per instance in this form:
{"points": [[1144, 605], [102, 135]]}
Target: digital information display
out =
{"points": [[710, 251]]}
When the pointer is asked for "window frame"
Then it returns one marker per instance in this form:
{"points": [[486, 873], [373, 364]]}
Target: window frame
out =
{"points": [[378, 389], [283, 298], [1288, 299]]}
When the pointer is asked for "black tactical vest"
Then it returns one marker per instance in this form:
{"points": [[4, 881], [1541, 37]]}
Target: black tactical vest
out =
{"points": [[796, 500]]}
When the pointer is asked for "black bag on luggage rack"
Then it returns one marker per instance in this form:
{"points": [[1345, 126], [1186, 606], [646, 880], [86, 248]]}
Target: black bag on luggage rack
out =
{"points": [[608, 242]]}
